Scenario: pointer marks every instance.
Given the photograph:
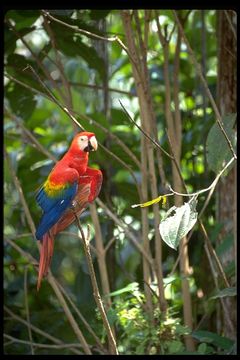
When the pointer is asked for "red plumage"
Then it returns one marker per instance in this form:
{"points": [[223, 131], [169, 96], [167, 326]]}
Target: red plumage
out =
{"points": [[71, 183]]}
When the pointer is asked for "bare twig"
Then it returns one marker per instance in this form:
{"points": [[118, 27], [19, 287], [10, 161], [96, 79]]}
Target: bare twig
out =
{"points": [[127, 231], [33, 139], [68, 97], [81, 317], [76, 29], [144, 132], [46, 346], [204, 82], [39, 331], [35, 91], [99, 87], [213, 254], [38, 61], [53, 98], [215, 279], [210, 187], [96, 294], [69, 315]]}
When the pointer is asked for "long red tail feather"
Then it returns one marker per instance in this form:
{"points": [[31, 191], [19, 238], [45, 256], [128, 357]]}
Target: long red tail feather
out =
{"points": [[46, 254]]}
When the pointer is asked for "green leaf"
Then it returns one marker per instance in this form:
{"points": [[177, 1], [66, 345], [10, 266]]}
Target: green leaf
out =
{"points": [[175, 346], [231, 291], [218, 151], [23, 18], [215, 339], [129, 288], [174, 228], [21, 100], [202, 348], [112, 316], [10, 38]]}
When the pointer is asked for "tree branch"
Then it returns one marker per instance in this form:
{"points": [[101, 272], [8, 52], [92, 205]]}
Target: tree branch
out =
{"points": [[96, 294]]}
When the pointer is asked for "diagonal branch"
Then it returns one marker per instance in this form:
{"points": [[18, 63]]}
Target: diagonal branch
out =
{"points": [[204, 82], [96, 294]]}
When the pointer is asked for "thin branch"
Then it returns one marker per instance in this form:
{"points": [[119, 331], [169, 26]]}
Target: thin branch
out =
{"points": [[114, 137], [28, 133], [54, 99], [68, 97], [46, 346], [144, 132], [128, 232], [214, 273], [70, 233], [96, 294], [38, 331], [109, 244], [76, 28], [210, 187], [35, 91], [205, 85], [213, 254], [27, 310], [81, 317], [92, 35], [69, 315], [126, 166], [99, 87], [38, 61], [53, 283]]}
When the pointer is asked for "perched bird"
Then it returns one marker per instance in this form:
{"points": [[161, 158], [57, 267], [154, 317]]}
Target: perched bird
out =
{"points": [[69, 188]]}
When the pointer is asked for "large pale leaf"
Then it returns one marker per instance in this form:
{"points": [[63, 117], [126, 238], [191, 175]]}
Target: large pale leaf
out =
{"points": [[231, 291], [173, 228], [218, 151]]}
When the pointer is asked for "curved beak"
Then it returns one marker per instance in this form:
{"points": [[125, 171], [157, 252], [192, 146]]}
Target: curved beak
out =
{"points": [[92, 144]]}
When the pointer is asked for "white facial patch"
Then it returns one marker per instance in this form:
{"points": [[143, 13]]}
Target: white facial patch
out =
{"points": [[82, 142]]}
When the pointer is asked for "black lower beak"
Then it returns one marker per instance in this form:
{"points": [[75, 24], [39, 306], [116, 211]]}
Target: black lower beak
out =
{"points": [[89, 147]]}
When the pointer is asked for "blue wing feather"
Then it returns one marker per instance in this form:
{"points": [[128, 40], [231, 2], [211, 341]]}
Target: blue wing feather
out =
{"points": [[53, 207]]}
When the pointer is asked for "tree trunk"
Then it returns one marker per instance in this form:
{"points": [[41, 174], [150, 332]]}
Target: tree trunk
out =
{"points": [[226, 199]]}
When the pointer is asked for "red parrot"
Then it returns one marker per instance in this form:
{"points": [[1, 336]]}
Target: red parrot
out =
{"points": [[70, 184]]}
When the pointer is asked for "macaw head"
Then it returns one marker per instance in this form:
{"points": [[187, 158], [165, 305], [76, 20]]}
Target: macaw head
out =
{"points": [[85, 141]]}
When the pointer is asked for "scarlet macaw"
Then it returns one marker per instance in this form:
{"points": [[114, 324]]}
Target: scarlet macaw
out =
{"points": [[71, 183]]}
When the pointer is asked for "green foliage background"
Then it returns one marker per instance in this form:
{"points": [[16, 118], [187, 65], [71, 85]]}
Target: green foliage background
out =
{"points": [[54, 130]]}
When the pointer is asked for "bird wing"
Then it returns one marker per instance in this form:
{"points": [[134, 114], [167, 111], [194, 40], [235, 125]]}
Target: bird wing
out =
{"points": [[89, 186], [54, 200]]}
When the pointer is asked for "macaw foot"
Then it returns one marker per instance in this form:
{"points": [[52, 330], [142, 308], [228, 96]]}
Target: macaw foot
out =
{"points": [[75, 205]]}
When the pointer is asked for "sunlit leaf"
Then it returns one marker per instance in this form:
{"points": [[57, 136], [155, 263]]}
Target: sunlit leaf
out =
{"points": [[151, 202], [173, 228], [129, 288], [231, 291]]}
